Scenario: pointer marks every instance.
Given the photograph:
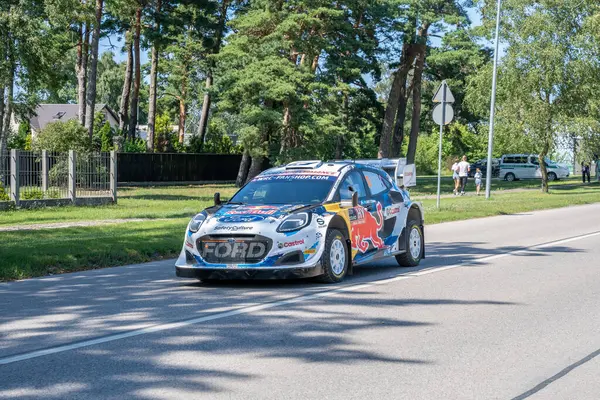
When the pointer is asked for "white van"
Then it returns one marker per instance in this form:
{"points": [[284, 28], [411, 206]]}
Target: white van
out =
{"points": [[527, 166]]}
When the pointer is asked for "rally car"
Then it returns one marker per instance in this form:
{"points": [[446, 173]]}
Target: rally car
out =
{"points": [[306, 219]]}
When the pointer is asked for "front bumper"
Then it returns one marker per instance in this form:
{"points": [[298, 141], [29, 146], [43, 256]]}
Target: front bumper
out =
{"points": [[250, 273]]}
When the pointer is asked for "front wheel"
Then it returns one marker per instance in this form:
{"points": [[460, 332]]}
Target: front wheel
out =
{"points": [[510, 177], [414, 246], [552, 176], [335, 258]]}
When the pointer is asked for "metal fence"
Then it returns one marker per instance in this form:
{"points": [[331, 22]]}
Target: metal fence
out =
{"points": [[33, 179]]}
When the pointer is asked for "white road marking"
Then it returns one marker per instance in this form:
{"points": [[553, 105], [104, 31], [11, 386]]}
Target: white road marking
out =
{"points": [[265, 306]]}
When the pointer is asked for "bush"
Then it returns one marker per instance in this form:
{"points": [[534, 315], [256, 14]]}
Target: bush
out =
{"points": [[102, 137], [134, 146], [22, 139], [3, 193], [32, 194], [63, 136]]}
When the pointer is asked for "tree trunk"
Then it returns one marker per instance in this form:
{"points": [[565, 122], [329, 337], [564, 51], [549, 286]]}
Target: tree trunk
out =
{"points": [[202, 126], [91, 91], [152, 100], [543, 169], [82, 74], [137, 75], [124, 107], [398, 137], [153, 88], [243, 171], [286, 136], [205, 110], [420, 49], [396, 104], [2, 146], [181, 132], [8, 108], [255, 167]]}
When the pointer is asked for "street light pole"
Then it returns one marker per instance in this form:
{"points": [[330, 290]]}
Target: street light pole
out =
{"points": [[488, 180]]}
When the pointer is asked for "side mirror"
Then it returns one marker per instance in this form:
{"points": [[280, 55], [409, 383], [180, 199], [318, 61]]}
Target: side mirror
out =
{"points": [[217, 199], [354, 199]]}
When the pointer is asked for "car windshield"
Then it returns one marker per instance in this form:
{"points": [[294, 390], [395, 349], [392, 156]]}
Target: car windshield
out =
{"points": [[285, 189]]}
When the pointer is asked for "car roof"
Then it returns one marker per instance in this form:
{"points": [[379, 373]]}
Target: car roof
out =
{"points": [[326, 167]]}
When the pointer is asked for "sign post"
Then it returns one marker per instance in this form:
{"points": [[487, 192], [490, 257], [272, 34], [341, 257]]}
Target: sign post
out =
{"points": [[443, 114]]}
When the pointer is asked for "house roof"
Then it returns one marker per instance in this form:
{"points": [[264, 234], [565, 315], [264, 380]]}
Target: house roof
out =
{"points": [[46, 113]]}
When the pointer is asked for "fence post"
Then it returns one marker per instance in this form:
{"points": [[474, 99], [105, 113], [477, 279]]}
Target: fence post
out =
{"points": [[44, 171], [113, 175], [72, 175], [14, 176]]}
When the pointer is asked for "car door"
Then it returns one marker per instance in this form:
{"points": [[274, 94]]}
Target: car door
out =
{"points": [[381, 207], [364, 222]]}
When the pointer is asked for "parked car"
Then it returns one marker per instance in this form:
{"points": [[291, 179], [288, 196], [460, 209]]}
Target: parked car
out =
{"points": [[306, 219], [527, 166], [482, 165]]}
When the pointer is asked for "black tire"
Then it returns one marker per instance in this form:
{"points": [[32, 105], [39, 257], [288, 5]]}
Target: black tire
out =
{"points": [[552, 177], [407, 259], [330, 275], [510, 177]]}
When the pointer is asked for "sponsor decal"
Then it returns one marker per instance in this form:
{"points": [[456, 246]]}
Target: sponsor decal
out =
{"points": [[366, 228], [310, 251], [319, 235], [296, 176], [283, 245], [238, 219], [232, 228], [320, 221], [393, 210], [188, 244], [254, 210], [234, 249]]}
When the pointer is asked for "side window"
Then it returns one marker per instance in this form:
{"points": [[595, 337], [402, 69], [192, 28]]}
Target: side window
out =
{"points": [[508, 160], [354, 180], [375, 183], [535, 161]]}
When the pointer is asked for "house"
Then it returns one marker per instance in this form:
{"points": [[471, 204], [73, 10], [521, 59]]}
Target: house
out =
{"points": [[46, 113]]}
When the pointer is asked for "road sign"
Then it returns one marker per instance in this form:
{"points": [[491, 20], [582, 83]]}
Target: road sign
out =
{"points": [[438, 114], [439, 94], [442, 114]]}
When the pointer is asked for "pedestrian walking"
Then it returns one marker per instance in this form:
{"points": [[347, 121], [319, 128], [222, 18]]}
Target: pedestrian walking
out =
{"points": [[588, 171], [455, 176], [478, 177], [463, 174]]}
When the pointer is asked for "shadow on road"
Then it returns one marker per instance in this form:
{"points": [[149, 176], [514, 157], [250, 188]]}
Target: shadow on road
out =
{"points": [[74, 307]]}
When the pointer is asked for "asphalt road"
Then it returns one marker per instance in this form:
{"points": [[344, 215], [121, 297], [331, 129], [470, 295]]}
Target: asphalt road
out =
{"points": [[503, 308]]}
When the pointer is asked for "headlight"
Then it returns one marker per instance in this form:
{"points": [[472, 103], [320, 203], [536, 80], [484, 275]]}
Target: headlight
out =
{"points": [[196, 222], [294, 222]]}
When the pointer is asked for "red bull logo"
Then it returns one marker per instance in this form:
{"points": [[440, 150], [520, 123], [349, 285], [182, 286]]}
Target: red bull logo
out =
{"points": [[366, 228]]}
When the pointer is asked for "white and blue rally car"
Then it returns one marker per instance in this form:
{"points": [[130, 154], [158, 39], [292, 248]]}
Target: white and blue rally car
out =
{"points": [[306, 219]]}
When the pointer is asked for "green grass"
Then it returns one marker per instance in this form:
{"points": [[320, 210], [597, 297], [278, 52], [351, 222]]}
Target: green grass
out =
{"points": [[460, 208], [151, 202], [26, 254], [427, 185]]}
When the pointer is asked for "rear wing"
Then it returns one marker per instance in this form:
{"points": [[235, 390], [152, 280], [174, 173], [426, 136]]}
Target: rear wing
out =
{"points": [[403, 174]]}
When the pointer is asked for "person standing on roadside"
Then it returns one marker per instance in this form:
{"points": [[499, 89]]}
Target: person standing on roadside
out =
{"points": [[585, 172], [478, 177], [463, 173], [455, 177]]}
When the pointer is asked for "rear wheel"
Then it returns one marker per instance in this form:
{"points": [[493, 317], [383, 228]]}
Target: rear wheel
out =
{"points": [[510, 177], [335, 258], [414, 246], [552, 176]]}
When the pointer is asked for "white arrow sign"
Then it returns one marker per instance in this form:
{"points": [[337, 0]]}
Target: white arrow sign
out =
{"points": [[439, 94]]}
